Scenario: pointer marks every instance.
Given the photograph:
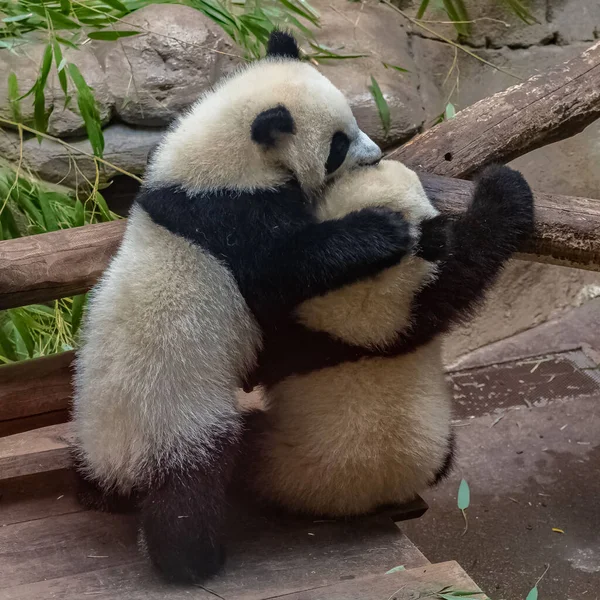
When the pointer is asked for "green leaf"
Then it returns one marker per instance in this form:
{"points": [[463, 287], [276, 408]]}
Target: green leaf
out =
{"points": [[395, 67], [7, 346], [450, 111], [77, 312], [22, 330], [46, 64], [88, 109], [104, 210], [457, 12], [60, 69], [17, 18], [422, 8], [65, 6], [8, 220], [117, 5], [79, 219], [521, 11], [39, 110], [109, 35], [464, 495], [58, 20], [13, 97], [396, 569], [382, 105], [49, 215], [533, 594]]}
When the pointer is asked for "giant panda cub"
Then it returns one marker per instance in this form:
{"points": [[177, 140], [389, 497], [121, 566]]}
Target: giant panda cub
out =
{"points": [[358, 413], [223, 240]]}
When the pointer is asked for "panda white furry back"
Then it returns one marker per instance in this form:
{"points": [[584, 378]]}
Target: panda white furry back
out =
{"points": [[168, 339]]}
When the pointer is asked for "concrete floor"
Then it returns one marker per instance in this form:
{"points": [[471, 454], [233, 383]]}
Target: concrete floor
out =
{"points": [[528, 427]]}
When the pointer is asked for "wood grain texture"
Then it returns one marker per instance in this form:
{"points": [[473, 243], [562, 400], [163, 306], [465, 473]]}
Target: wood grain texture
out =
{"points": [[71, 555], [544, 109], [57, 264], [36, 451], [71, 261], [133, 582], [36, 386]]}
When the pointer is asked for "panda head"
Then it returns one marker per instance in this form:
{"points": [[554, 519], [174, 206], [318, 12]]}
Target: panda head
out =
{"points": [[276, 120]]}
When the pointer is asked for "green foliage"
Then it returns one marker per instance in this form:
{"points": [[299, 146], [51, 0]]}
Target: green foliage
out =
{"points": [[382, 106], [28, 206]]}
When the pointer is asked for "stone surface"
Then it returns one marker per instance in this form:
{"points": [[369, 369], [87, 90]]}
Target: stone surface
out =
{"points": [[529, 470], [63, 122], [376, 30], [125, 146], [575, 20], [178, 55]]}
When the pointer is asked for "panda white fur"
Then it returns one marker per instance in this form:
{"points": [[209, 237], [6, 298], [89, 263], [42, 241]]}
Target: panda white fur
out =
{"points": [[223, 239], [361, 418]]}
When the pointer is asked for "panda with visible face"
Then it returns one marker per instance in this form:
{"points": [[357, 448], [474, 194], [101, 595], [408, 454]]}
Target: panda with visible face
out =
{"points": [[222, 240], [358, 412]]}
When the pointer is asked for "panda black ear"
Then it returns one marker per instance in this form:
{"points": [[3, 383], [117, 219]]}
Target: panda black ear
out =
{"points": [[283, 45], [271, 123]]}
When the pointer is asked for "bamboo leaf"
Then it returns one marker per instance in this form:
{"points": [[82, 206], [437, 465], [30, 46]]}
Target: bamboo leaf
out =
{"points": [[382, 105], [117, 5], [533, 594], [77, 312], [109, 35], [422, 8], [13, 97], [60, 62], [79, 219], [57, 19], [450, 111], [17, 18], [46, 64], [464, 495], [395, 67], [23, 331], [7, 346], [88, 109], [65, 6], [49, 215]]}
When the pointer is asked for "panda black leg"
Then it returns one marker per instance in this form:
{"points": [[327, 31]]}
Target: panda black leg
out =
{"points": [[182, 520], [499, 219], [448, 463]]}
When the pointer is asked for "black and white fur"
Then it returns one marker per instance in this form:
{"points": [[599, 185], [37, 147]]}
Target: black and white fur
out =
{"points": [[358, 413], [222, 241]]}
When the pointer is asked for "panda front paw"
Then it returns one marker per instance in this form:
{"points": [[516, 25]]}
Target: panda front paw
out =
{"points": [[391, 230], [503, 200], [434, 243]]}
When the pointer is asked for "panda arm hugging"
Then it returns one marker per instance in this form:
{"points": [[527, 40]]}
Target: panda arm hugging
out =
{"points": [[477, 245]]}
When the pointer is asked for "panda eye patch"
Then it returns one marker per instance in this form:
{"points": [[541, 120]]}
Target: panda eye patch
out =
{"points": [[337, 152]]}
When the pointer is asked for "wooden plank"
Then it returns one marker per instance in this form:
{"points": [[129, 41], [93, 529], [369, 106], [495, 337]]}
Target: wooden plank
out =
{"points": [[135, 583], [36, 386], [37, 451], [64, 545], [421, 582], [57, 264], [72, 555], [545, 109], [37, 497], [15, 426]]}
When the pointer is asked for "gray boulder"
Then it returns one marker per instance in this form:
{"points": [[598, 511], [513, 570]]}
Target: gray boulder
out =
{"points": [[178, 55]]}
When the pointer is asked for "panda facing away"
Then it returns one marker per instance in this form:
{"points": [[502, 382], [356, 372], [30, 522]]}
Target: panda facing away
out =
{"points": [[223, 240], [358, 412]]}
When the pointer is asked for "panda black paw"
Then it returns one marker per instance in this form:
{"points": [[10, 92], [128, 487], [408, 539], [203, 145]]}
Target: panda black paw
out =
{"points": [[187, 560], [434, 243], [504, 199], [392, 233]]}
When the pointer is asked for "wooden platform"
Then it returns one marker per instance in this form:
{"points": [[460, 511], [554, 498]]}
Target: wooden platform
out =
{"points": [[51, 548]]}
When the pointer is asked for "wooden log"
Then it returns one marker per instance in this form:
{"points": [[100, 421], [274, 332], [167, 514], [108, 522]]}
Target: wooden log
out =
{"points": [[49, 266], [53, 265], [544, 109]]}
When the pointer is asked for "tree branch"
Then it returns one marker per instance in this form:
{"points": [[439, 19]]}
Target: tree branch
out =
{"points": [[544, 109]]}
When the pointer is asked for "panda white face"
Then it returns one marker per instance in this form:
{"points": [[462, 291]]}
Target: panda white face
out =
{"points": [[275, 120]]}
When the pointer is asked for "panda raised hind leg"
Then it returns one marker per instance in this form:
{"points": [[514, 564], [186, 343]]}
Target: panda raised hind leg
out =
{"points": [[499, 218]]}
